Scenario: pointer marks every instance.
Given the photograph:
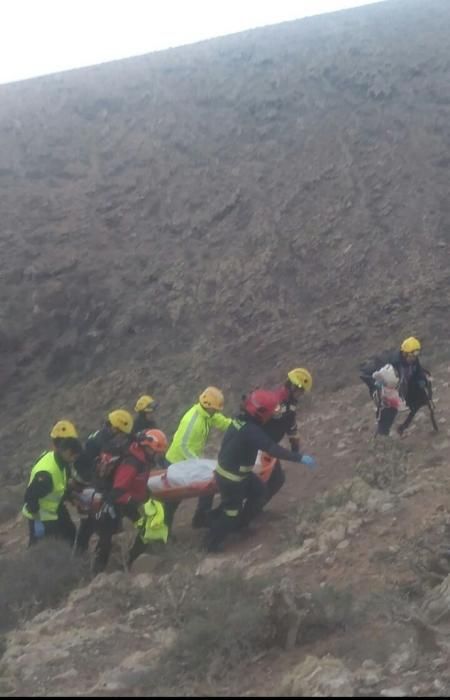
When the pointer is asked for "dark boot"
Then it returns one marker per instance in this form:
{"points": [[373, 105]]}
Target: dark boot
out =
{"points": [[386, 421], [201, 515]]}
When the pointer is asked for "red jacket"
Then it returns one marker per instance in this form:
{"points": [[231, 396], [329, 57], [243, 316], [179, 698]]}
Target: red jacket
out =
{"points": [[131, 476]]}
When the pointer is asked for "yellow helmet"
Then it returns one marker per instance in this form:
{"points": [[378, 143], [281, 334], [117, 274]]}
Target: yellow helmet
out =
{"points": [[122, 420], [212, 398], [411, 345], [145, 403], [63, 429], [301, 378]]}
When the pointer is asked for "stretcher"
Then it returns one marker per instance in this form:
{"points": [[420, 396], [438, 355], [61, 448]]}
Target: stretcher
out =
{"points": [[189, 479], [161, 488]]}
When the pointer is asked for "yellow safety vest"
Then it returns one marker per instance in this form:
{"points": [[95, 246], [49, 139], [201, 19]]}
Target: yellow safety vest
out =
{"points": [[151, 525], [48, 506]]}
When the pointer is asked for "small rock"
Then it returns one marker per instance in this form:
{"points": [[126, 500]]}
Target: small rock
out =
{"points": [[143, 581], [438, 663], [314, 677], [386, 507], [404, 659], [435, 608], [369, 674], [353, 526], [411, 491], [146, 564], [211, 565], [287, 557], [351, 507], [67, 675], [396, 692], [122, 680], [145, 611], [343, 545], [441, 445]]}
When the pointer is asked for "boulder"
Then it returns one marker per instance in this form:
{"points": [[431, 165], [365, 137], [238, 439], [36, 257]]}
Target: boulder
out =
{"points": [[314, 677]]}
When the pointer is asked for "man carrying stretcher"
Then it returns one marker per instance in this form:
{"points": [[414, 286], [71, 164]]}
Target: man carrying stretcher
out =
{"points": [[241, 490]]}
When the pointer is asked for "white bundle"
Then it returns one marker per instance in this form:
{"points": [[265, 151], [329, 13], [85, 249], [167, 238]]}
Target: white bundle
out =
{"points": [[184, 474], [387, 376]]}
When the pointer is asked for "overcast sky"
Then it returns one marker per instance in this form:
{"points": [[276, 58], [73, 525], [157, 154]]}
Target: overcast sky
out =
{"points": [[46, 36]]}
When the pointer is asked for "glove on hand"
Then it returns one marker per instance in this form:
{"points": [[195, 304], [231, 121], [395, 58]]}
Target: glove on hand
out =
{"points": [[309, 461]]}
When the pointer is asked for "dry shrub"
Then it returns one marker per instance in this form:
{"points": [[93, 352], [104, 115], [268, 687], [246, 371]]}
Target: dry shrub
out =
{"points": [[36, 579], [221, 624]]}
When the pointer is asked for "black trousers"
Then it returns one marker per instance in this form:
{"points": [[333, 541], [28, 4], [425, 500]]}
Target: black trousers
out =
{"points": [[240, 501], [63, 528], [415, 399], [105, 528]]}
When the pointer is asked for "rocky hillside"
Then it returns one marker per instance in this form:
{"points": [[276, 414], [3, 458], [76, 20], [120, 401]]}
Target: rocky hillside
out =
{"points": [[281, 194], [343, 590]]}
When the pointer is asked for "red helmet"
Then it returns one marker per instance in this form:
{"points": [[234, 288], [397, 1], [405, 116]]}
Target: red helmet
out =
{"points": [[153, 438], [261, 404]]}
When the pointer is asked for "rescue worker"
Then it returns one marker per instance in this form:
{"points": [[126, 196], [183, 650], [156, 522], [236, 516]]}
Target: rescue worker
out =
{"points": [[144, 409], [284, 422], [241, 491], [47, 487], [113, 437], [189, 442], [128, 492], [414, 384], [102, 453]]}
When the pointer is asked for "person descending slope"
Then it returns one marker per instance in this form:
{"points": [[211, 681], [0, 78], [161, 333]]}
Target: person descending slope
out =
{"points": [[189, 443], [48, 484], [103, 452], [145, 417], [413, 384], [113, 437], [127, 493], [241, 490], [284, 422]]}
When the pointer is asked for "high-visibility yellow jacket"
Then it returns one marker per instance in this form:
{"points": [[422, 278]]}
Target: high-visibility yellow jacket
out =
{"points": [[192, 434], [151, 524], [49, 505]]}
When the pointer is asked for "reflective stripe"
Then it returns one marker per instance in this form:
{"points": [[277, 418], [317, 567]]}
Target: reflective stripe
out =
{"points": [[245, 470], [232, 513], [228, 475], [238, 424]]}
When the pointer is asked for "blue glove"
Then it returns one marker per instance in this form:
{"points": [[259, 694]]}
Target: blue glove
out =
{"points": [[39, 529], [309, 461], [378, 384]]}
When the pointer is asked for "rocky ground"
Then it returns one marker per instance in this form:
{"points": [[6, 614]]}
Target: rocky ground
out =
{"points": [[349, 576]]}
